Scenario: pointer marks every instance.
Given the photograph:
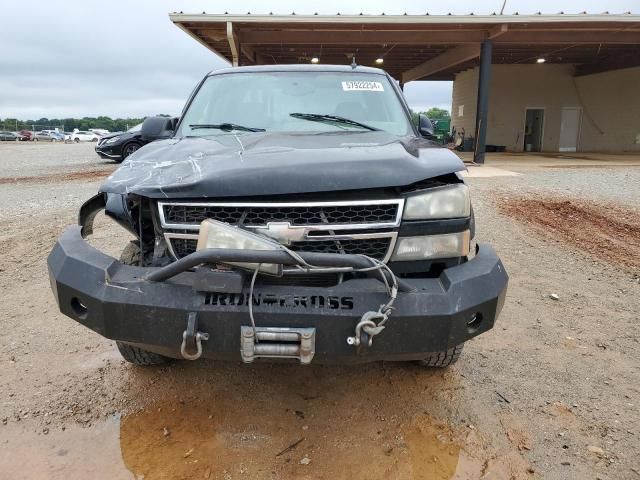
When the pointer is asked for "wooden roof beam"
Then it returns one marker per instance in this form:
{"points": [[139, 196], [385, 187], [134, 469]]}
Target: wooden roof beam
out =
{"points": [[572, 38], [447, 60], [361, 37], [498, 30], [617, 63], [254, 56], [249, 52]]}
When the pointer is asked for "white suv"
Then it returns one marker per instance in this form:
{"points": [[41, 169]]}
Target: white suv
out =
{"points": [[84, 136]]}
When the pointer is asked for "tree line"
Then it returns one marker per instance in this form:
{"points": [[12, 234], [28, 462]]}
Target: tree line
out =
{"points": [[69, 124], [121, 124], [434, 113]]}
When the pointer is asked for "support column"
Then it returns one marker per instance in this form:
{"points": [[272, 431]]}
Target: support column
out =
{"points": [[233, 44], [482, 110]]}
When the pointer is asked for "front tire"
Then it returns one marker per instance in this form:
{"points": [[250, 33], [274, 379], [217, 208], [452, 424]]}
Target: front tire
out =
{"points": [[131, 255], [77, 140], [140, 357], [442, 359], [128, 149]]}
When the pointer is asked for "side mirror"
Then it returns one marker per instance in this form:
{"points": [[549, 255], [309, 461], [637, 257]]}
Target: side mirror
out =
{"points": [[156, 128], [425, 127]]}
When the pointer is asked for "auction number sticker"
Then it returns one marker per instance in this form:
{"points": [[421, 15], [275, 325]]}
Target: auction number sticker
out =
{"points": [[362, 85]]}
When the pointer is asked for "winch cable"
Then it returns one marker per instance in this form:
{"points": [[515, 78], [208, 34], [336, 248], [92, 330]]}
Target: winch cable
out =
{"points": [[253, 283], [377, 265], [369, 318], [392, 290]]}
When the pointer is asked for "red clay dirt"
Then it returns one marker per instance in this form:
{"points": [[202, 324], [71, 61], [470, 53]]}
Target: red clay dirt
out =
{"points": [[76, 176], [608, 232]]}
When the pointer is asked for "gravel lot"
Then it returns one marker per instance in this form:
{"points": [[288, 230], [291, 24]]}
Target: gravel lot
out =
{"points": [[620, 185], [552, 392]]}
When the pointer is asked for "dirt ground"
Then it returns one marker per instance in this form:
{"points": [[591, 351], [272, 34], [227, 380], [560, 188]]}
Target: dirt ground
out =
{"points": [[551, 392], [605, 231]]}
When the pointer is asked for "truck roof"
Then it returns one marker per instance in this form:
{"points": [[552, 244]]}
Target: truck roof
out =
{"points": [[299, 68]]}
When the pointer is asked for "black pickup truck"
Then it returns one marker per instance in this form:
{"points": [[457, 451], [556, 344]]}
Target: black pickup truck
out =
{"points": [[291, 212]]}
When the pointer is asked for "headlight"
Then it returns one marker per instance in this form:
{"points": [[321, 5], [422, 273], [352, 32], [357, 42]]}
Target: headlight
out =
{"points": [[429, 247], [215, 234], [450, 201], [112, 140]]}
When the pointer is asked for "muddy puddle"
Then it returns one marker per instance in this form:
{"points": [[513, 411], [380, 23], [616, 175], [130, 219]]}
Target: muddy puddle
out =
{"points": [[195, 421], [224, 439]]}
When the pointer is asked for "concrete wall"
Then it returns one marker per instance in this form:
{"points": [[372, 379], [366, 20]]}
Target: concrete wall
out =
{"points": [[464, 101], [610, 105], [611, 110]]}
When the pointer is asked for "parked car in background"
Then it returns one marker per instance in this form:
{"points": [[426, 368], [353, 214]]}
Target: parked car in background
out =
{"points": [[26, 134], [84, 136], [101, 132], [9, 136], [118, 146], [48, 136]]}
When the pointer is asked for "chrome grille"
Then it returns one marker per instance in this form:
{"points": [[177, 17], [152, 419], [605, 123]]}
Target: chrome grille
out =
{"points": [[356, 227], [374, 247], [183, 246], [250, 215]]}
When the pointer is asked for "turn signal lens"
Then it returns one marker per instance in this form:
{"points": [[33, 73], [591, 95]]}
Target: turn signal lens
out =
{"points": [[449, 245]]}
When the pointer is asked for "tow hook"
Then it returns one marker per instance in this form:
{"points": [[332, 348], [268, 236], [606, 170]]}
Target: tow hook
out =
{"points": [[366, 329], [192, 339]]}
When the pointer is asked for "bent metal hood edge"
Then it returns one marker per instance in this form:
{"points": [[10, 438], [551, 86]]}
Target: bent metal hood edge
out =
{"points": [[256, 164]]}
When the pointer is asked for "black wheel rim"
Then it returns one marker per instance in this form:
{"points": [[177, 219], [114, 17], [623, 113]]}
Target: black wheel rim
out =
{"points": [[129, 149]]}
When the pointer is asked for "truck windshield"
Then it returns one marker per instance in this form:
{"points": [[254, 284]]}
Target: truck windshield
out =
{"points": [[295, 102]]}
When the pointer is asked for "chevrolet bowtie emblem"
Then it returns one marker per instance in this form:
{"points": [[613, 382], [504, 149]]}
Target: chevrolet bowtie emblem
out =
{"points": [[283, 232]]}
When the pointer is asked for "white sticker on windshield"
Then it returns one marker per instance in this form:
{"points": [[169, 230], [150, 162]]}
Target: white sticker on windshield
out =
{"points": [[362, 85]]}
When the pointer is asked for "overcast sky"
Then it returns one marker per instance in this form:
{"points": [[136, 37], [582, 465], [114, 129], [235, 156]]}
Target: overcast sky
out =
{"points": [[124, 58]]}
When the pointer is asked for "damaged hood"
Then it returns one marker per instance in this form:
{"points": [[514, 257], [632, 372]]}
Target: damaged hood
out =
{"points": [[254, 164]]}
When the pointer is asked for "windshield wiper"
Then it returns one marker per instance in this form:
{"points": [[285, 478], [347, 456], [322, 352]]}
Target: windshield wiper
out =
{"points": [[226, 127], [317, 117]]}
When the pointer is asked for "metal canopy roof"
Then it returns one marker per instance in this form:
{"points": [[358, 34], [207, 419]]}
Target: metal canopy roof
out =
{"points": [[420, 47]]}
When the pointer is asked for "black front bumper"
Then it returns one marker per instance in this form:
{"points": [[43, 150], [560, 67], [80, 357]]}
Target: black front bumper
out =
{"points": [[108, 152], [115, 301]]}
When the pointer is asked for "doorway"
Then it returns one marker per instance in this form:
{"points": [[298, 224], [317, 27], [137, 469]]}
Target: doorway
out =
{"points": [[570, 128], [533, 129]]}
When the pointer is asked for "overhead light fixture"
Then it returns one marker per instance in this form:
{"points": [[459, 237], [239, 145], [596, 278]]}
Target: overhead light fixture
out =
{"points": [[315, 60], [541, 60], [379, 60]]}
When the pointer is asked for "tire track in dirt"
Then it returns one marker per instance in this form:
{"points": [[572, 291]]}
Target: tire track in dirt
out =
{"points": [[76, 176], [607, 232]]}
